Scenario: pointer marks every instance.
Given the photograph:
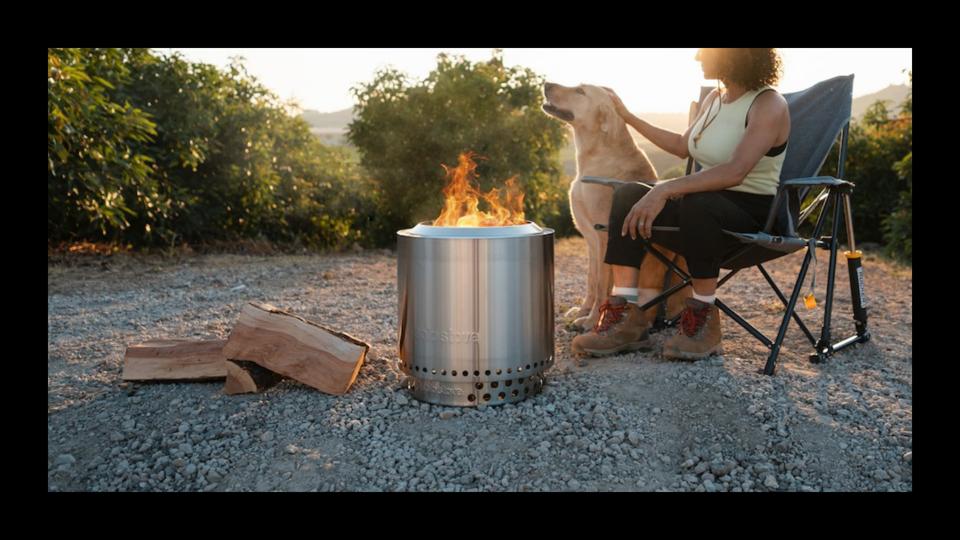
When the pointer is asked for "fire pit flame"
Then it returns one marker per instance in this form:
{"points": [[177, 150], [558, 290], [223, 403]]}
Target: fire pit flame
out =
{"points": [[461, 206]]}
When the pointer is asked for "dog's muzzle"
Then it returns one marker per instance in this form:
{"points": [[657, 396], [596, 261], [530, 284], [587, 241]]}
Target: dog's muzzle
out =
{"points": [[553, 110]]}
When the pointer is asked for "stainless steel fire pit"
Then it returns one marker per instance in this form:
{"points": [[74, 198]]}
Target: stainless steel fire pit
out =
{"points": [[475, 312]]}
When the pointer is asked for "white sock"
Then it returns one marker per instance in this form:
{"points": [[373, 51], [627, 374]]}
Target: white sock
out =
{"points": [[630, 294], [705, 299], [647, 295]]}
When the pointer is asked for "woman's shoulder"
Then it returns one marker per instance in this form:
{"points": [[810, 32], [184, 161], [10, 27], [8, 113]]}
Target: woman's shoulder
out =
{"points": [[770, 99], [769, 105], [708, 99]]}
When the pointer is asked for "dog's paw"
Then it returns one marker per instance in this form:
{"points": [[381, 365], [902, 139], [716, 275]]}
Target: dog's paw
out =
{"points": [[585, 323], [570, 327]]}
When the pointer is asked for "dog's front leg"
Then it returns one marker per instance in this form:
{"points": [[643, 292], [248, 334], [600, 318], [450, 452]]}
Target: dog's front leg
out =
{"points": [[590, 302], [602, 282], [581, 219]]}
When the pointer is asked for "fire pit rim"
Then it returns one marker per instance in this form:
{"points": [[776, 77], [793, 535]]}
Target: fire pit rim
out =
{"points": [[425, 230]]}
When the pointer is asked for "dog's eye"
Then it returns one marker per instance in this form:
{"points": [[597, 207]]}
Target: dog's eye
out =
{"points": [[581, 91]]}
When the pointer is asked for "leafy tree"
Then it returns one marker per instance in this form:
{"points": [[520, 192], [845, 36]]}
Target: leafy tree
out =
{"points": [[92, 159], [898, 226], [406, 130], [879, 162], [195, 154]]}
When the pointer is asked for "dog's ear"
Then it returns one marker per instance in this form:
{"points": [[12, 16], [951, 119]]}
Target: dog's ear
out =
{"points": [[605, 120]]}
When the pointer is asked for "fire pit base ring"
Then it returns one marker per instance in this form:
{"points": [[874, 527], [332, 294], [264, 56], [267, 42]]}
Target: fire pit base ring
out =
{"points": [[476, 392]]}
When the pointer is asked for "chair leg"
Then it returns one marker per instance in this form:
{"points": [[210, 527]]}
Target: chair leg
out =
{"points": [[823, 348], [855, 268], [783, 299], [770, 367]]}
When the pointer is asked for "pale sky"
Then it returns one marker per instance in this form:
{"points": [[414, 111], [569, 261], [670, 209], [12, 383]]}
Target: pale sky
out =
{"points": [[648, 80]]}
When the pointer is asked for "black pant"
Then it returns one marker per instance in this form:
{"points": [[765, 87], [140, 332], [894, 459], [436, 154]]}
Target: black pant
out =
{"points": [[700, 218]]}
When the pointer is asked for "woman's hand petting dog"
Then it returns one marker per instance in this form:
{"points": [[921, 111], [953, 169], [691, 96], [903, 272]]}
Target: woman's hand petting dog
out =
{"points": [[617, 103], [640, 218]]}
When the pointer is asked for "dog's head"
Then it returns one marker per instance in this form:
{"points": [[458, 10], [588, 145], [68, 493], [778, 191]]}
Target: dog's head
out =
{"points": [[585, 107]]}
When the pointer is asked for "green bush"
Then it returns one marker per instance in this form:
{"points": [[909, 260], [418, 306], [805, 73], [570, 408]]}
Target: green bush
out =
{"points": [[95, 173], [898, 226], [879, 162], [196, 154], [405, 131]]}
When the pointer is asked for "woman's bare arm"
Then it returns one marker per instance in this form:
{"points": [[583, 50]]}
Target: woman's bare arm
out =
{"points": [[768, 117], [666, 140]]}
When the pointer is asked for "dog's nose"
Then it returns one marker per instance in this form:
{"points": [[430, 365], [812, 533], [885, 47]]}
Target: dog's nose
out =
{"points": [[548, 86]]}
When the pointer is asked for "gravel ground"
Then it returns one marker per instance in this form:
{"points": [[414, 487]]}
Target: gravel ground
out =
{"points": [[623, 423]]}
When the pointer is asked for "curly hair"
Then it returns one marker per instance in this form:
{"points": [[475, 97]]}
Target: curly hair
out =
{"points": [[751, 68]]}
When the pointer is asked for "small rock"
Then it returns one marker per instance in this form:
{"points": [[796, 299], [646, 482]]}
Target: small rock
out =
{"points": [[573, 483], [908, 457], [291, 449], [722, 468], [657, 410], [771, 482], [446, 415], [238, 288], [267, 436], [65, 459]]}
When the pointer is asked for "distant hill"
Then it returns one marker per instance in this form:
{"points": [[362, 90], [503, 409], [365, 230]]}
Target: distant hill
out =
{"points": [[331, 128], [337, 119], [893, 95]]}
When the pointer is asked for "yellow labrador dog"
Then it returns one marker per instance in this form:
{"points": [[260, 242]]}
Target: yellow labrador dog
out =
{"points": [[605, 149]]}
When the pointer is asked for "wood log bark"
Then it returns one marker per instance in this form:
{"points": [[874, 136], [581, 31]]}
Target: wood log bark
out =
{"points": [[294, 347], [175, 360]]}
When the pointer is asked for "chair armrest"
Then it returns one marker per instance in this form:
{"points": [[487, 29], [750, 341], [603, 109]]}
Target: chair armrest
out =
{"points": [[816, 181], [610, 182]]}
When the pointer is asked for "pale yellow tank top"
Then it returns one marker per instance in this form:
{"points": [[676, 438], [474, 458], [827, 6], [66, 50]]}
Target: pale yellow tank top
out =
{"points": [[721, 137]]}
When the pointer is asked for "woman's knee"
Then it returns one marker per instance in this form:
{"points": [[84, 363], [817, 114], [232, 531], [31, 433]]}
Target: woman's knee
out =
{"points": [[624, 197], [699, 207], [696, 202]]}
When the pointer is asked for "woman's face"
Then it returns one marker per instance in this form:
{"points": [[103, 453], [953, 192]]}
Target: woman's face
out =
{"points": [[708, 59]]}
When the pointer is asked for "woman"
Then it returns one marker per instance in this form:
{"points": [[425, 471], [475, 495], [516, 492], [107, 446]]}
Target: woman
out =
{"points": [[740, 139]]}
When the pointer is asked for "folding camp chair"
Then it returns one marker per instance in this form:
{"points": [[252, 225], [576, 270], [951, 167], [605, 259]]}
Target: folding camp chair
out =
{"points": [[818, 114]]}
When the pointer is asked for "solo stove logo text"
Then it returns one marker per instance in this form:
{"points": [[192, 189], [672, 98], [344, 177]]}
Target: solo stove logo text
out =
{"points": [[448, 336]]}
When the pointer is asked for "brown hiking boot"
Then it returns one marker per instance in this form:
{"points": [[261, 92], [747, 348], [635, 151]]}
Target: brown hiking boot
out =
{"points": [[621, 327], [699, 334]]}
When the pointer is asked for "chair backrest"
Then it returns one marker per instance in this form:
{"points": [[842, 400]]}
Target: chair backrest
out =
{"points": [[817, 115]]}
